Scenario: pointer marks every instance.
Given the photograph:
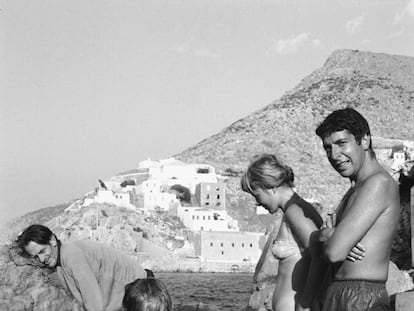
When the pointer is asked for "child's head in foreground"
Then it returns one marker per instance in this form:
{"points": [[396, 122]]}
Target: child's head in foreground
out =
{"points": [[146, 295]]}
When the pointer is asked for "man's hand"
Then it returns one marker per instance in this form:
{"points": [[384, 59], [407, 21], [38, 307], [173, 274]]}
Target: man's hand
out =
{"points": [[327, 229], [325, 234], [356, 253]]}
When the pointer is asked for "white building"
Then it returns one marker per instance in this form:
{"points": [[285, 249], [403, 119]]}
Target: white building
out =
{"points": [[155, 194], [203, 219], [398, 160], [171, 172], [118, 198], [260, 210], [232, 247], [113, 183]]}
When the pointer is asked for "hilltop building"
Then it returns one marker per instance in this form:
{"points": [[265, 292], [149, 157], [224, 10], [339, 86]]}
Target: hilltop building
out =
{"points": [[118, 198], [155, 194], [211, 195], [398, 160], [171, 171], [158, 184], [197, 218]]}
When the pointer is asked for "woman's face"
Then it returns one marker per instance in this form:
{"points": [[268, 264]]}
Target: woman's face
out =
{"points": [[266, 198]]}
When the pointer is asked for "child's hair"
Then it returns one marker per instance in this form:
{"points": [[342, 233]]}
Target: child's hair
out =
{"points": [[344, 119], [266, 172], [146, 295]]}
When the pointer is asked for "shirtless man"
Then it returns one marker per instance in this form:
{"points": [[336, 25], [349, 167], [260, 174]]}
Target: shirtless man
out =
{"points": [[367, 215]]}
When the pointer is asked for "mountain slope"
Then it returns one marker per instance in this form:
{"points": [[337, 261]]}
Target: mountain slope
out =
{"points": [[379, 86]]}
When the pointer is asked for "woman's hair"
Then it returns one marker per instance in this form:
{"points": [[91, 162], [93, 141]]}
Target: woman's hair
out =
{"points": [[266, 172], [146, 295]]}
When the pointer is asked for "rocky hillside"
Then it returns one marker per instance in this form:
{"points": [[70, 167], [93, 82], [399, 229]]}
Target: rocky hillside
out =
{"points": [[380, 86]]}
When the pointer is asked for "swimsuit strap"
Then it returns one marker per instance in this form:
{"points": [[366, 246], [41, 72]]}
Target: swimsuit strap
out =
{"points": [[294, 199]]}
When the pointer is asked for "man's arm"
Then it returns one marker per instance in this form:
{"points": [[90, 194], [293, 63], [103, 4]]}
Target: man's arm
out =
{"points": [[85, 281], [369, 203]]}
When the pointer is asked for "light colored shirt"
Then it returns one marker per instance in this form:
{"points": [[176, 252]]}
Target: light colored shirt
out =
{"points": [[96, 274]]}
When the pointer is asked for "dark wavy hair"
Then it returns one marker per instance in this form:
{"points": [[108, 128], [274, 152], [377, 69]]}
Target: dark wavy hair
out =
{"points": [[146, 295], [345, 119], [266, 172], [36, 233]]}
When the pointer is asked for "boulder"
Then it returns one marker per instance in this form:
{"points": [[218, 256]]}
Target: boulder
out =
{"points": [[24, 286]]}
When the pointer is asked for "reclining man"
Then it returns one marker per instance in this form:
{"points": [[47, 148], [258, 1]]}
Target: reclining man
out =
{"points": [[95, 274], [367, 216]]}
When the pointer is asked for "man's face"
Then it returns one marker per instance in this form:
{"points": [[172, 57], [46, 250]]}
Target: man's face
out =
{"points": [[344, 153], [46, 254]]}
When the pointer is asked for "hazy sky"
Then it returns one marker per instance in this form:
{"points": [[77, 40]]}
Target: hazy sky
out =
{"points": [[90, 88]]}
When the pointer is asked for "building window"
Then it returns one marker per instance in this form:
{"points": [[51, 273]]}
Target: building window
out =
{"points": [[221, 244], [208, 217], [211, 244], [198, 217], [242, 244], [218, 196], [251, 245], [218, 203], [193, 217], [232, 244], [222, 253], [207, 203], [204, 217], [208, 196]]}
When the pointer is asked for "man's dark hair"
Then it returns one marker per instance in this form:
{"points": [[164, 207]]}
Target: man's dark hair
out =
{"points": [[36, 233], [345, 119]]}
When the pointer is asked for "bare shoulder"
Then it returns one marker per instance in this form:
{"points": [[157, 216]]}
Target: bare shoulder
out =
{"points": [[382, 181], [382, 189]]}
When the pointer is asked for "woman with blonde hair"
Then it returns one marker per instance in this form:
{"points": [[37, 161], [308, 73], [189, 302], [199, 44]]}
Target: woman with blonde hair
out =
{"points": [[270, 182]]}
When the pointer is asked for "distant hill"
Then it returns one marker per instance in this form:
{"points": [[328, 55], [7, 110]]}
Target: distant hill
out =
{"points": [[380, 86]]}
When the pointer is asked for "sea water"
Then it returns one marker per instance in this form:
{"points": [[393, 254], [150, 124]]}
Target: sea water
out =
{"points": [[224, 291]]}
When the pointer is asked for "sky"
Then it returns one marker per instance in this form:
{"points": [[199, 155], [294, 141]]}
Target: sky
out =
{"points": [[91, 88]]}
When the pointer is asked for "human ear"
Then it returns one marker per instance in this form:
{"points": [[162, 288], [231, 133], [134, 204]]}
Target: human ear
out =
{"points": [[366, 141], [53, 241]]}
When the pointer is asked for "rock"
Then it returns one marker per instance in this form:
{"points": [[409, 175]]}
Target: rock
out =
{"points": [[27, 287], [398, 281], [265, 276]]}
